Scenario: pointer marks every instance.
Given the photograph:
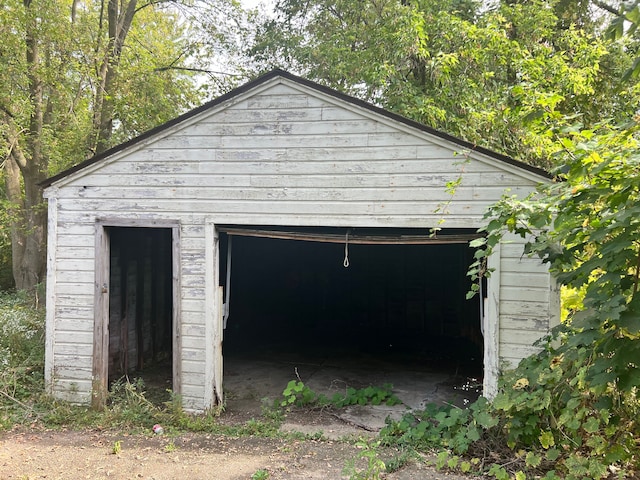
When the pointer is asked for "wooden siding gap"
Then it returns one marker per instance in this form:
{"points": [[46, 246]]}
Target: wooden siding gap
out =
{"points": [[353, 238]]}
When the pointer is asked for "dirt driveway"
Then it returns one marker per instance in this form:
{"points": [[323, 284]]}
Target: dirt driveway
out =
{"points": [[29, 455], [71, 455]]}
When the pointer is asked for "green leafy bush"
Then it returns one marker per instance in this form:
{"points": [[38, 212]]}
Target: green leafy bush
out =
{"points": [[578, 403], [546, 420], [21, 356], [445, 426], [298, 394]]}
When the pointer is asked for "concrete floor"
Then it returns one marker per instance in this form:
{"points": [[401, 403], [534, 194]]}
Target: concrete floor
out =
{"points": [[256, 378]]}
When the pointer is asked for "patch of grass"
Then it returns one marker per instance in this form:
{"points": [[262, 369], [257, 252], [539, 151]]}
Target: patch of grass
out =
{"points": [[316, 436], [260, 474], [255, 427], [374, 467], [271, 411], [397, 462], [129, 406]]}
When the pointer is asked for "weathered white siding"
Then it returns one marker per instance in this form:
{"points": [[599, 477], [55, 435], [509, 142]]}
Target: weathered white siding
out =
{"points": [[528, 300], [279, 154]]}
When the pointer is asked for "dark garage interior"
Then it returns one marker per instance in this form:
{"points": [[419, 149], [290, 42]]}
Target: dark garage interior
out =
{"points": [[140, 304], [398, 307], [295, 302]]}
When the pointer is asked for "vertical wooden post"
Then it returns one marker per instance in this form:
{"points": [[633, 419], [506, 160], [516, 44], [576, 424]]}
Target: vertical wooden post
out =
{"points": [[175, 313], [52, 242], [492, 328], [101, 319], [213, 319]]}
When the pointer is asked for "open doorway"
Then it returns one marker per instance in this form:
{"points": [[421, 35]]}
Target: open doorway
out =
{"points": [[370, 312], [141, 339]]}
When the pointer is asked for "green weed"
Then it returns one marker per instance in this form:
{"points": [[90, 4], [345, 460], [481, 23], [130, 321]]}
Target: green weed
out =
{"points": [[374, 466], [261, 474], [116, 449], [298, 394]]}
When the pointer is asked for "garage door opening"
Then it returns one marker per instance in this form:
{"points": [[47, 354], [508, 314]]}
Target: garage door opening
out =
{"points": [[141, 307], [394, 301]]}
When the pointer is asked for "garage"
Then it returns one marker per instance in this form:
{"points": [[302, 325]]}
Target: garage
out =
{"points": [[287, 230]]}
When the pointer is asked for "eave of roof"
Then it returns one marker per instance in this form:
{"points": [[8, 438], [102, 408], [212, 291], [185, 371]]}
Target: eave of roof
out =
{"points": [[308, 83]]}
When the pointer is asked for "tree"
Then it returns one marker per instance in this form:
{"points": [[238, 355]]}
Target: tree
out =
{"points": [[489, 76], [581, 14], [625, 22], [68, 73], [587, 228]]}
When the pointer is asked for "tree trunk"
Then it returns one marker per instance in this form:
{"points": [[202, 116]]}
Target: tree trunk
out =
{"points": [[25, 167], [13, 190], [118, 24], [28, 220], [26, 163]]}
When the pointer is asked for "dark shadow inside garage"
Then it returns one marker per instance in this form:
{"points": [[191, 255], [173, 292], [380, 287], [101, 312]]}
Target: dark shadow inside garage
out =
{"points": [[141, 307], [397, 307]]}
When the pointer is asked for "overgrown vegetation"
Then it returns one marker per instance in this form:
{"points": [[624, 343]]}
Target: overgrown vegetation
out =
{"points": [[547, 421], [298, 394], [21, 357], [575, 406], [24, 402]]}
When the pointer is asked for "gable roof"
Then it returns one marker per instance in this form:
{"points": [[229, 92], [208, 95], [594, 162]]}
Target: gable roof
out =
{"points": [[314, 86]]}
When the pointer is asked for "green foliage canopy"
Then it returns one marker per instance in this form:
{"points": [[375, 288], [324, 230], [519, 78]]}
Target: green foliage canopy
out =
{"points": [[498, 77], [75, 78]]}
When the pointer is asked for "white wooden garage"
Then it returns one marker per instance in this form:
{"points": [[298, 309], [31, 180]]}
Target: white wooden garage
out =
{"points": [[288, 214]]}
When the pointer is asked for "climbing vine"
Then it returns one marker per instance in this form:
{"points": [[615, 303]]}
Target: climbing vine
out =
{"points": [[587, 228], [574, 406]]}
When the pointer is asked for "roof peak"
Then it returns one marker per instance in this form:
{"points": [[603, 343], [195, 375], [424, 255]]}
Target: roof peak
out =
{"points": [[265, 78]]}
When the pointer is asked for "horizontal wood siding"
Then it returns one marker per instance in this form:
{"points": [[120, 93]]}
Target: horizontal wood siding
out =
{"points": [[525, 302], [282, 155]]}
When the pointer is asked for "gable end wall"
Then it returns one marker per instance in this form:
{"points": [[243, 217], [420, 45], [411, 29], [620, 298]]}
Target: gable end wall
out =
{"points": [[277, 156]]}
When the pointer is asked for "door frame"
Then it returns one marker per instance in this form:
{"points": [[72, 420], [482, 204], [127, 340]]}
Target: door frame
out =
{"points": [[490, 319], [213, 333], [100, 368], [491, 327]]}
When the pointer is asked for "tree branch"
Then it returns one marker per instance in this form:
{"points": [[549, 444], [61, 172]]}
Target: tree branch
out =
{"points": [[199, 70], [156, 2], [7, 112], [12, 135], [607, 7]]}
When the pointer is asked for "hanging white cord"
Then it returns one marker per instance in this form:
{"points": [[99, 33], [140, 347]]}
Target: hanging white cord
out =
{"points": [[481, 294], [346, 250], [227, 286]]}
